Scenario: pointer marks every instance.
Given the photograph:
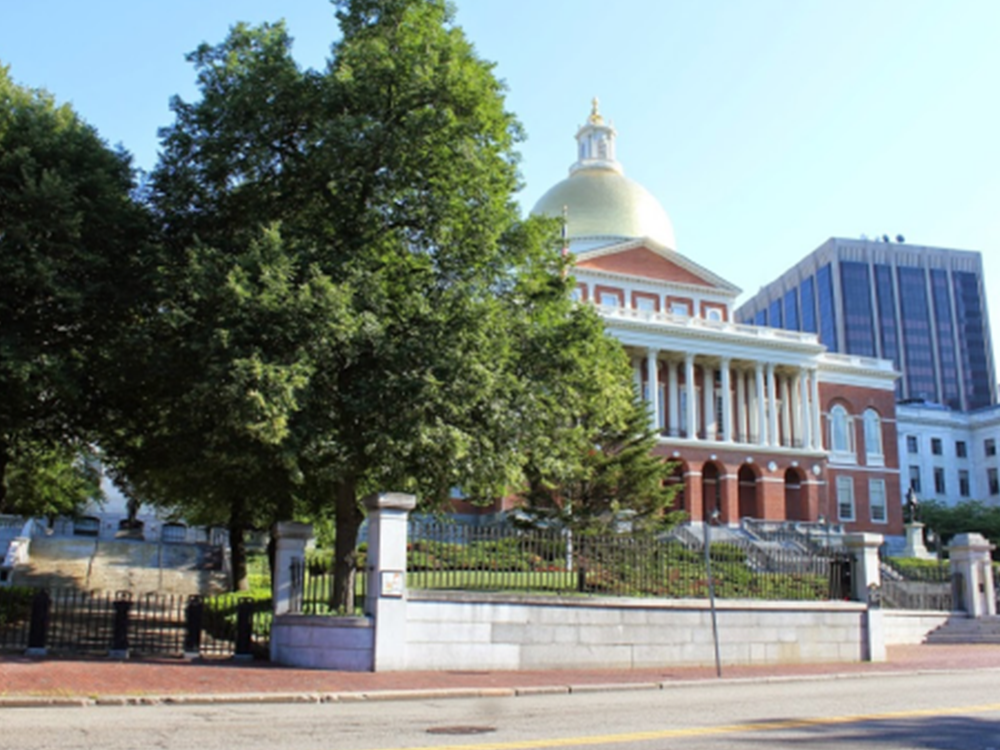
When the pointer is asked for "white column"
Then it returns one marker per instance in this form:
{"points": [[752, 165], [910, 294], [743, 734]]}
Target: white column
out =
{"points": [[727, 403], [673, 398], [742, 417], [786, 412], [653, 385], [761, 404], [772, 406], [817, 424], [708, 401], [290, 539], [692, 407], [637, 376], [805, 415]]}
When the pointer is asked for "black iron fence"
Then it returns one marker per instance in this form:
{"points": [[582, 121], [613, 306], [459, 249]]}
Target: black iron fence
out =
{"points": [[312, 588], [78, 622], [444, 555]]}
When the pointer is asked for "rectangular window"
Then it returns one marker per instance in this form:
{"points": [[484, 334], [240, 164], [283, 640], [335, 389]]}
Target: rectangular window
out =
{"points": [[646, 304], [990, 446], [876, 500], [993, 481], [936, 447], [911, 444], [963, 483], [680, 308], [609, 299], [845, 498], [859, 331], [939, 481], [915, 478], [961, 449]]}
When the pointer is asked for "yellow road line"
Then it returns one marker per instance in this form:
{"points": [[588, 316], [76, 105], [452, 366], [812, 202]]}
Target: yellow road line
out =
{"points": [[764, 726]]}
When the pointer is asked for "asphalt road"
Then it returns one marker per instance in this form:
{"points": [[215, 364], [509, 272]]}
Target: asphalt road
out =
{"points": [[960, 711]]}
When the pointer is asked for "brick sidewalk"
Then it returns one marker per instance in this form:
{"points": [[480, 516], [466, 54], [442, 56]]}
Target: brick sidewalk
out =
{"points": [[25, 681]]}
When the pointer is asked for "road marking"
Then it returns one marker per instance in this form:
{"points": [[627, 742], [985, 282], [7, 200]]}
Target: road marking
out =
{"points": [[763, 726]]}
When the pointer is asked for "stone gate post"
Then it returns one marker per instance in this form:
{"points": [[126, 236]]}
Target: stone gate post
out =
{"points": [[385, 600], [972, 575], [290, 539], [866, 579]]}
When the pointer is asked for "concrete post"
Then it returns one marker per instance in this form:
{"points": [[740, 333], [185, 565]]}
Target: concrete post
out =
{"points": [[386, 592], [866, 579], [972, 575], [290, 539]]}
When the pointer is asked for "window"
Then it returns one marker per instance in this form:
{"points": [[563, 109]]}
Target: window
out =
{"points": [[680, 308], [845, 498], [963, 483], [876, 500], [873, 438], [936, 447], [714, 314], [646, 304], [939, 481], [609, 299], [841, 444], [961, 449], [993, 481], [990, 446], [915, 478], [911, 444], [576, 295]]}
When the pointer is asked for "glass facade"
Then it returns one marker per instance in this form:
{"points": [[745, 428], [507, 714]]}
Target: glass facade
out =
{"points": [[774, 314], [947, 362], [971, 325], [760, 319], [807, 296], [827, 309], [859, 330], [886, 301], [791, 310], [916, 330]]}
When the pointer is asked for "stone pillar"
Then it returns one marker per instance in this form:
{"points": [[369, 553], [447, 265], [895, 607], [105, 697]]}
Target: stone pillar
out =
{"points": [[386, 595], [708, 400], [653, 385], [290, 539], [742, 424], [786, 413], [691, 418], [915, 542], [772, 406], [637, 376], [761, 404], [972, 575], [816, 411], [867, 578], [805, 415], [673, 400], [727, 402]]}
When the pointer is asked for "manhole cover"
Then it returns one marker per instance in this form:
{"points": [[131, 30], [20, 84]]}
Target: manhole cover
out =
{"points": [[461, 730]]}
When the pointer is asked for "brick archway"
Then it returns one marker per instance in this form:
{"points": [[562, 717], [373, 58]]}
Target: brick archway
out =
{"points": [[796, 498], [749, 505]]}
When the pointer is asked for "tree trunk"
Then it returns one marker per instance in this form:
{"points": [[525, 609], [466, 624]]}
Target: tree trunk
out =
{"points": [[238, 545], [345, 553]]}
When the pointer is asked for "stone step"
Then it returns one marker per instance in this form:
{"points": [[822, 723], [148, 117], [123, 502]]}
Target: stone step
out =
{"points": [[967, 630]]}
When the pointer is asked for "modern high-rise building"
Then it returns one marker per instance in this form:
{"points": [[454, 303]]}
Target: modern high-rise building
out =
{"points": [[922, 308]]}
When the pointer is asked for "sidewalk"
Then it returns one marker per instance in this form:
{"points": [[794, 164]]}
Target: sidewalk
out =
{"points": [[83, 682]]}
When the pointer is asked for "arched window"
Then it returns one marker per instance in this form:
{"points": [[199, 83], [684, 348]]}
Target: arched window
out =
{"points": [[841, 443], [873, 438]]}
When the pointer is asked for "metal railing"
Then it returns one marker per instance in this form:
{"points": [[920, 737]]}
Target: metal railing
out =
{"points": [[312, 588], [908, 586], [452, 556]]}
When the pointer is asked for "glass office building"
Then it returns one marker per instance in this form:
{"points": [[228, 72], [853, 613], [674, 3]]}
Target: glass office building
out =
{"points": [[924, 308]]}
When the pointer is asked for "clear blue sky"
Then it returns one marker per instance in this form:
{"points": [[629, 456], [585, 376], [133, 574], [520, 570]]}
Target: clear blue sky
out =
{"points": [[763, 126]]}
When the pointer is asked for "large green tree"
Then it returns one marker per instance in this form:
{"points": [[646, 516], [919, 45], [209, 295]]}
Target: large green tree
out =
{"points": [[71, 265]]}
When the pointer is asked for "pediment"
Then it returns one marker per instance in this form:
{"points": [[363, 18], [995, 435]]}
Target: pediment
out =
{"points": [[660, 265]]}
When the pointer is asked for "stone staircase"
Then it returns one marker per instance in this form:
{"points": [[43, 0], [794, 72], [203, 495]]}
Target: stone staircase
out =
{"points": [[961, 629]]}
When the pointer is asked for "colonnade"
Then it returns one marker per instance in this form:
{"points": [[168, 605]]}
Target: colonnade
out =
{"points": [[751, 402]]}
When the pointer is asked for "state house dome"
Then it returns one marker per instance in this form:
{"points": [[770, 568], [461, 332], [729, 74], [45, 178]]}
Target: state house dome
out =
{"points": [[598, 199]]}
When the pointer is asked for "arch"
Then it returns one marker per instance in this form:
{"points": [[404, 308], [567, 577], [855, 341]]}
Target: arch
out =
{"points": [[796, 505], [676, 478], [841, 437], [711, 490], [749, 493]]}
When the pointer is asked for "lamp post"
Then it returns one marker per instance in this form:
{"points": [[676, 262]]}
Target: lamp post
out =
{"points": [[713, 517]]}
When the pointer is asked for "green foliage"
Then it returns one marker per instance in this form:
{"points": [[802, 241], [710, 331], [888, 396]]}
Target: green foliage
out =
{"points": [[74, 265], [15, 604], [973, 516], [51, 480]]}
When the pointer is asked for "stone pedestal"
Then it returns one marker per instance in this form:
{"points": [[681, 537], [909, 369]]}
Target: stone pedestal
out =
{"points": [[972, 575], [867, 577], [915, 542]]}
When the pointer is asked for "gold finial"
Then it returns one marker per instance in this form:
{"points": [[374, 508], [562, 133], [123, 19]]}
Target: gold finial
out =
{"points": [[595, 115]]}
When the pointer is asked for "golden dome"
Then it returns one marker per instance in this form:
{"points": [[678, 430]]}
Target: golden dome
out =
{"points": [[605, 203]]}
